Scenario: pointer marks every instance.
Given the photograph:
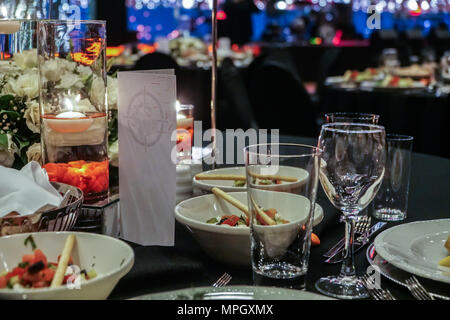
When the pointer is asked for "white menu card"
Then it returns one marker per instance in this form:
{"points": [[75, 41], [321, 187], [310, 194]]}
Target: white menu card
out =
{"points": [[147, 175]]}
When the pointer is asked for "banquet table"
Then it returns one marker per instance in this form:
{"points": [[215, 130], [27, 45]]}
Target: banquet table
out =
{"points": [[420, 113], [159, 269]]}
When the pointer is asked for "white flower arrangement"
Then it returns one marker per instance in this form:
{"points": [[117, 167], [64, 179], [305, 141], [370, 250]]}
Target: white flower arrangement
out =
{"points": [[19, 101]]}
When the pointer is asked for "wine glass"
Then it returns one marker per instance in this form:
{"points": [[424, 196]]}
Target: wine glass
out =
{"points": [[352, 117], [351, 172]]}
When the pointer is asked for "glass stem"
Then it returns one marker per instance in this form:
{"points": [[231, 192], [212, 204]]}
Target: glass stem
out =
{"points": [[348, 266]]}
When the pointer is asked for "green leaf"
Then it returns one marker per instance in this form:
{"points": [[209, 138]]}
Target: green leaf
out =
{"points": [[30, 240], [22, 143], [11, 114], [3, 141], [6, 98]]}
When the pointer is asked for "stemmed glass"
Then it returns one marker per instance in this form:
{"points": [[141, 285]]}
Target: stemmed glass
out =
{"points": [[352, 117], [351, 172]]}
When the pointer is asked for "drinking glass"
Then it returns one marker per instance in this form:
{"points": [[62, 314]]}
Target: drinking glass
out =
{"points": [[389, 59], [282, 183], [351, 172], [445, 67], [18, 37], [391, 202], [352, 117], [185, 130], [73, 105]]}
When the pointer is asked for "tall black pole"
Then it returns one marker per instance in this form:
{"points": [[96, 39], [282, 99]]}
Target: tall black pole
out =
{"points": [[214, 82]]}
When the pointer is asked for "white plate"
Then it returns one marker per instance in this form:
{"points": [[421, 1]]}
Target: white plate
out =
{"points": [[416, 247], [234, 293], [227, 185]]}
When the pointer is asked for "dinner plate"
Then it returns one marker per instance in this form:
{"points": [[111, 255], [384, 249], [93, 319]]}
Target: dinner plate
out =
{"points": [[436, 289], [416, 247], [234, 293]]}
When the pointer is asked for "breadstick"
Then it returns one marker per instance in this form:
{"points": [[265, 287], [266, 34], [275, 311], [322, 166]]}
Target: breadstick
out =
{"points": [[272, 177], [220, 193], [63, 262], [268, 220], [206, 176]]}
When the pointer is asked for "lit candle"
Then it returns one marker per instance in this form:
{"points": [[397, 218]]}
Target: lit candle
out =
{"points": [[70, 122], [9, 27]]}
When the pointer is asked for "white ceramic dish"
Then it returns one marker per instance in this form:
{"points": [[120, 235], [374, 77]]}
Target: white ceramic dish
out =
{"points": [[416, 247], [232, 244], [234, 293], [109, 257], [227, 185]]}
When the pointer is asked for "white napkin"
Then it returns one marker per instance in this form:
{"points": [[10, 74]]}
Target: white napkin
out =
{"points": [[26, 191]]}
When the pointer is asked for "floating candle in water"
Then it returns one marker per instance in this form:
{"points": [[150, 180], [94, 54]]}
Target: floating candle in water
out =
{"points": [[9, 27], [70, 122]]}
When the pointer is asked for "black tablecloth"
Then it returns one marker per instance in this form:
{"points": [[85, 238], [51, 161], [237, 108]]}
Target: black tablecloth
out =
{"points": [[158, 269], [421, 114]]}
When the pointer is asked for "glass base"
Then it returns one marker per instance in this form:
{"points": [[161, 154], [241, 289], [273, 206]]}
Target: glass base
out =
{"points": [[281, 275], [342, 287], [388, 214]]}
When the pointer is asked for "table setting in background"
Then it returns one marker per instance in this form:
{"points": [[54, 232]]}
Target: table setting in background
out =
{"points": [[214, 218]]}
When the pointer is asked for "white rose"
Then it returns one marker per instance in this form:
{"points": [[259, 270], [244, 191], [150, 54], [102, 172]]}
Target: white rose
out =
{"points": [[98, 92], [112, 93], [8, 67], [26, 59], [70, 80], [50, 70], [26, 84], [113, 154], [32, 116], [84, 71], [84, 106], [67, 65], [34, 153], [7, 152]]}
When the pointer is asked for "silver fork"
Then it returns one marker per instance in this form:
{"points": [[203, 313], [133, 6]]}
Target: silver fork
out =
{"points": [[361, 226], [376, 293], [222, 281], [417, 290]]}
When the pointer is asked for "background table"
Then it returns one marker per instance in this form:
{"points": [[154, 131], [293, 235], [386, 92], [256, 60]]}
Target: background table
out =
{"points": [[421, 114], [158, 269]]}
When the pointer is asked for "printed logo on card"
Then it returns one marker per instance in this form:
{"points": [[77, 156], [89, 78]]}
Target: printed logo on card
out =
{"points": [[146, 119]]}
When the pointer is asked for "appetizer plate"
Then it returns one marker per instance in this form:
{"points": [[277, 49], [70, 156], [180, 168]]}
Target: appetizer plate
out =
{"points": [[232, 244], [436, 289], [227, 185], [109, 257], [234, 293], [416, 247]]}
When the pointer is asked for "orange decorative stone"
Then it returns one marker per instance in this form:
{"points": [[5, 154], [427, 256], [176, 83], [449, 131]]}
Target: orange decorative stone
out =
{"points": [[90, 176]]}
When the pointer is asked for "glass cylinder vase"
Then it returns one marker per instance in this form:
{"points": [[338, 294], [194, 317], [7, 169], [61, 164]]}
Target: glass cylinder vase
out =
{"points": [[24, 9], [73, 104], [19, 92]]}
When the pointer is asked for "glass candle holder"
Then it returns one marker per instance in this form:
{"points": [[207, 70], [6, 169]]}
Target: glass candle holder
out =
{"points": [[74, 123], [185, 130], [18, 37]]}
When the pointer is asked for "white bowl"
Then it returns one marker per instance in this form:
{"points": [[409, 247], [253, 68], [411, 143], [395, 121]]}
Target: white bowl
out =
{"points": [[232, 244], [109, 257], [227, 185]]}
